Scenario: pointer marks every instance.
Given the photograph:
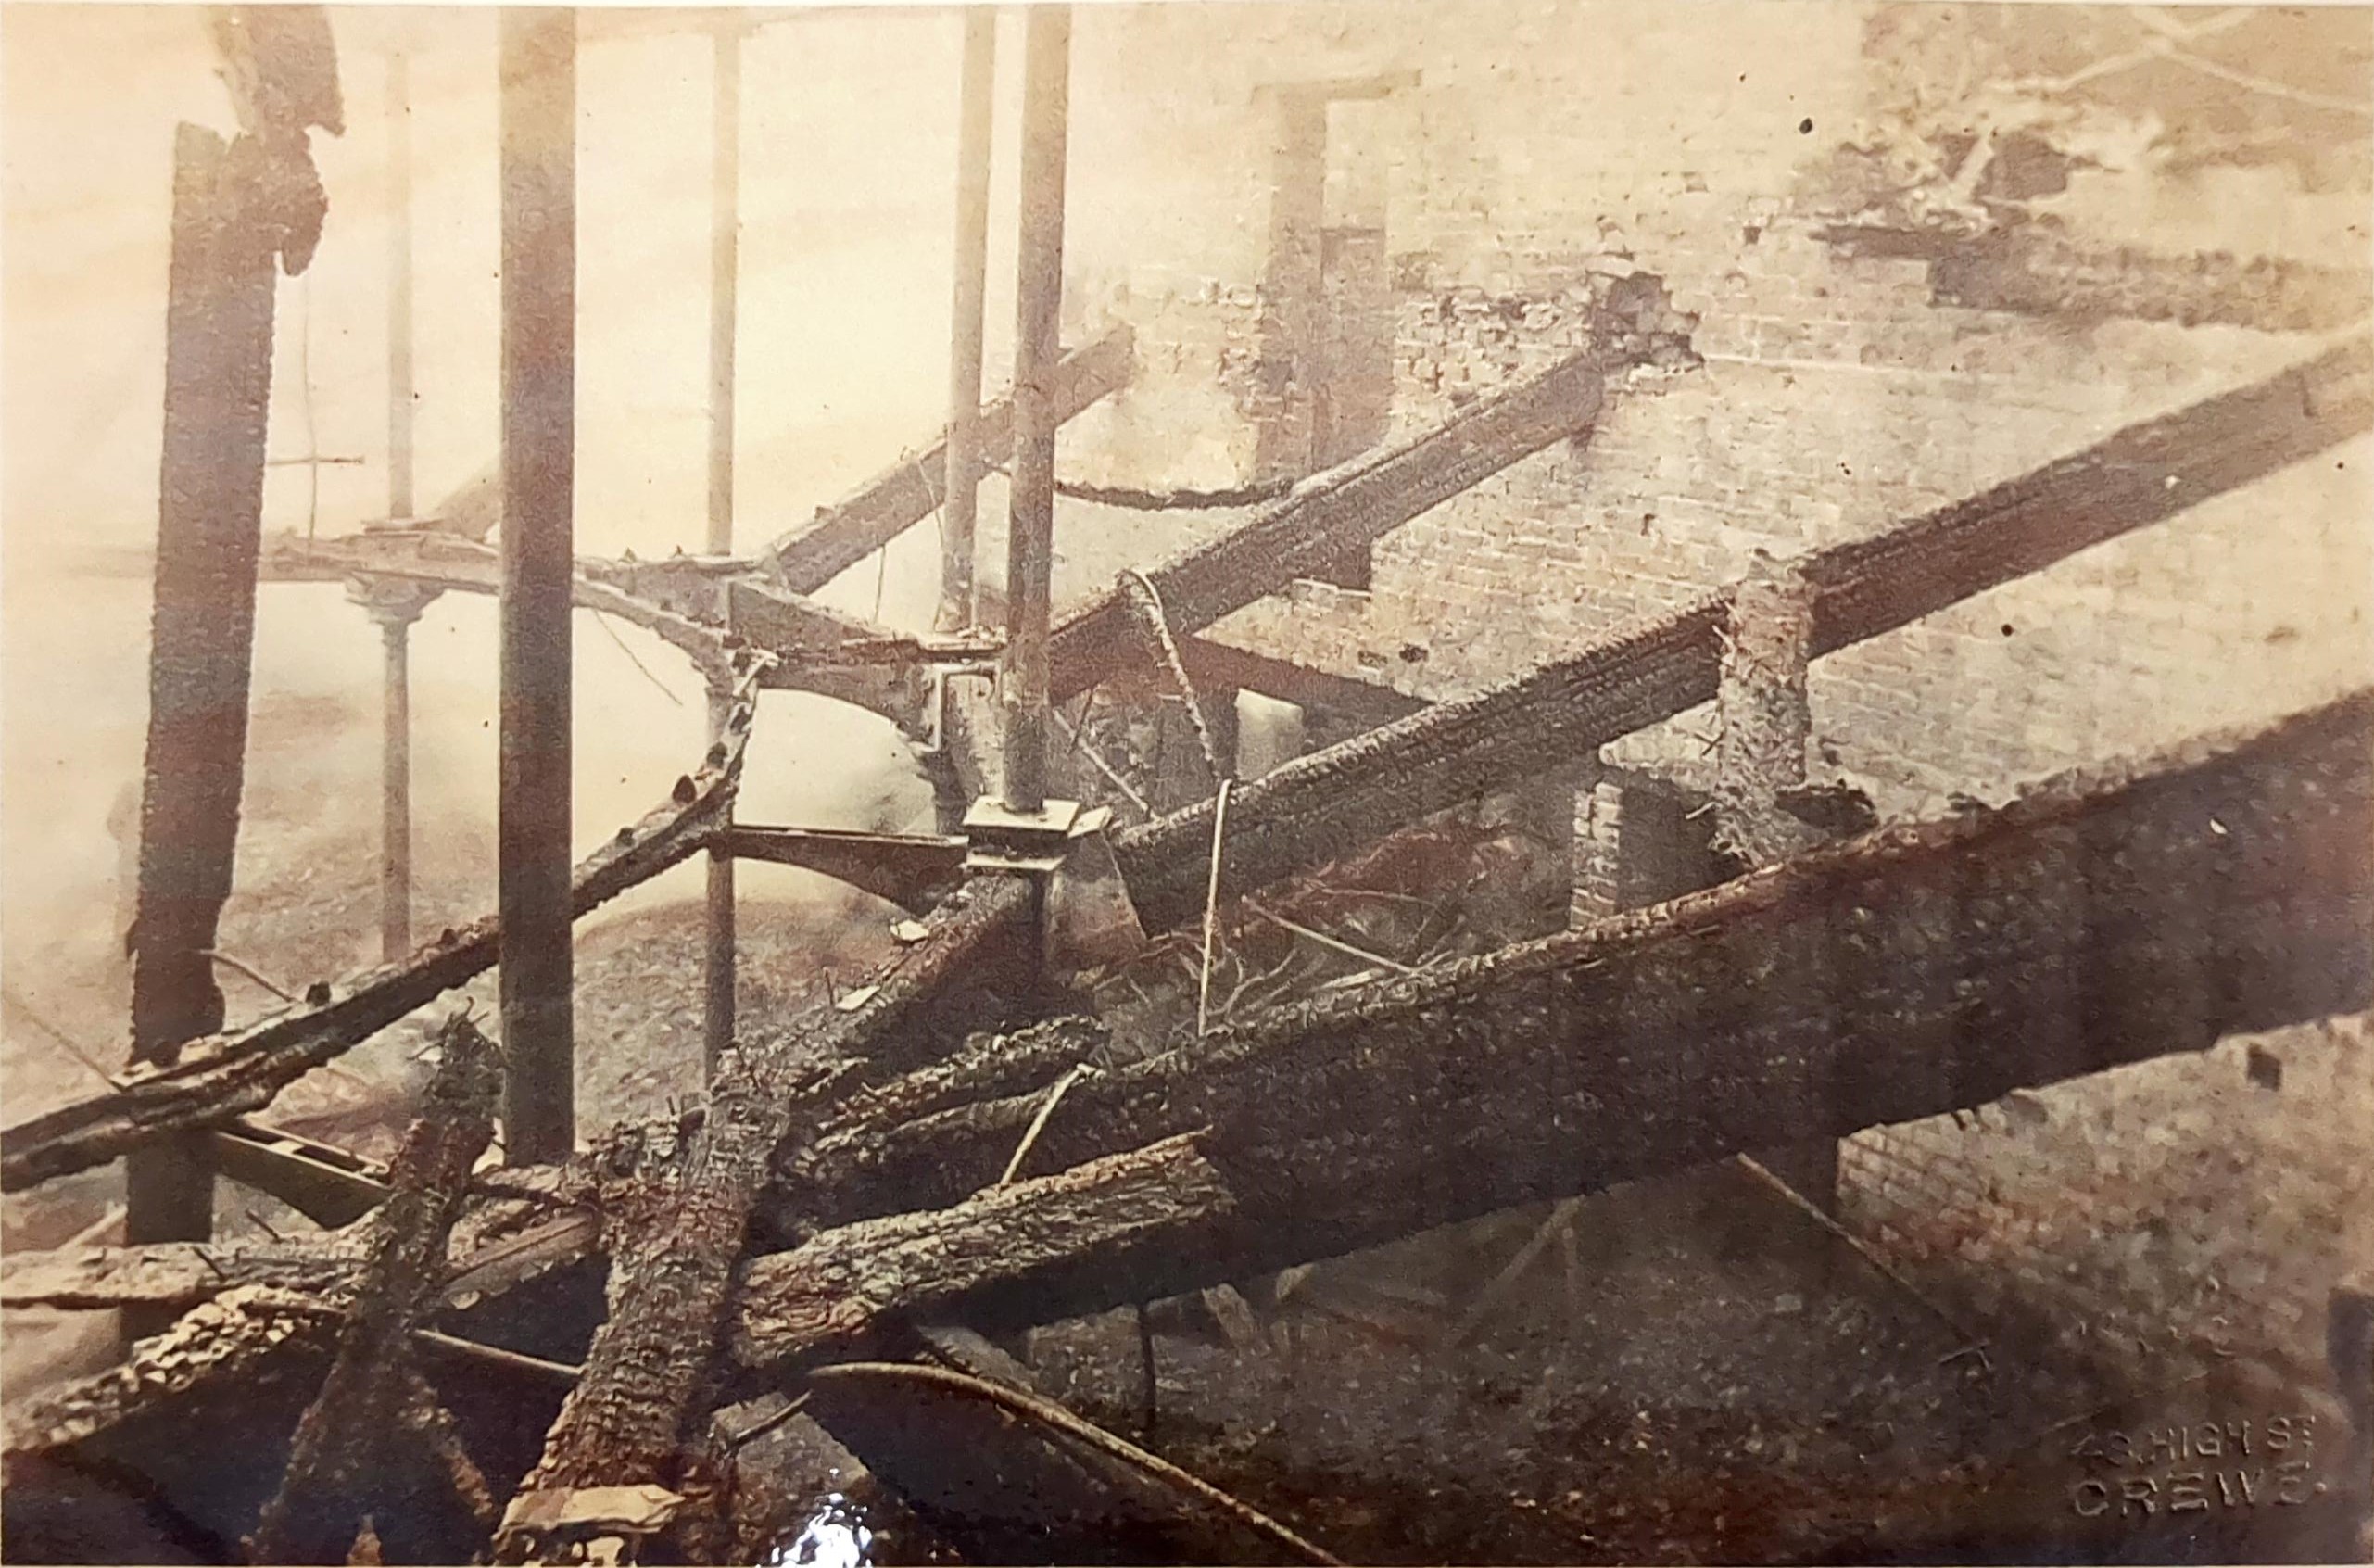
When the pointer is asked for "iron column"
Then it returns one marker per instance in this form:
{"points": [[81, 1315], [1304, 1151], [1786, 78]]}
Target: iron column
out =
{"points": [[400, 286], [1046, 65], [718, 960], [393, 605], [962, 486], [724, 261], [539, 135]]}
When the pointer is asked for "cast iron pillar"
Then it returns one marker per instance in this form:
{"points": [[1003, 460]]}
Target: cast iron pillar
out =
{"points": [[958, 608], [725, 265], [399, 287], [393, 605], [1037, 347], [538, 216]]}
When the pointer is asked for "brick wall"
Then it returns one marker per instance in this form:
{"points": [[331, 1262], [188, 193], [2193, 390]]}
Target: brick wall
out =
{"points": [[1550, 159], [1552, 153]]}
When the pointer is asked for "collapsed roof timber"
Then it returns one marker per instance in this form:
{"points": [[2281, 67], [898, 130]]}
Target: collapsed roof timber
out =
{"points": [[867, 1172]]}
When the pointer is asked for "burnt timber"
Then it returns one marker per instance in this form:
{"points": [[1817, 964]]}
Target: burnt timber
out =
{"points": [[341, 1460], [221, 1077], [1322, 805], [1331, 800], [948, 1142], [2098, 920], [846, 532]]}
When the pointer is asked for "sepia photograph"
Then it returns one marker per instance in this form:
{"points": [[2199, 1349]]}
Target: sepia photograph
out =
{"points": [[1187, 781]]}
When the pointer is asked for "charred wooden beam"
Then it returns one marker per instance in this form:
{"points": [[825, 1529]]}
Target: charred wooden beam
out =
{"points": [[1318, 807], [2104, 918], [341, 1457], [1214, 663], [2034, 271], [1350, 506], [240, 1327], [221, 1077], [908, 869], [719, 963], [672, 1259], [846, 532], [173, 1275], [218, 390], [629, 1420], [220, 1344], [832, 1295]]}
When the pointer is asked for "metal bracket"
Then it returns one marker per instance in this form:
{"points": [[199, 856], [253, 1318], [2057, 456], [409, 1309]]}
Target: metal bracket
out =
{"points": [[1000, 840], [325, 1184]]}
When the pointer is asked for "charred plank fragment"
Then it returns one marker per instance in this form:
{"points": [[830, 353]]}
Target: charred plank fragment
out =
{"points": [[342, 1457], [987, 1255]]}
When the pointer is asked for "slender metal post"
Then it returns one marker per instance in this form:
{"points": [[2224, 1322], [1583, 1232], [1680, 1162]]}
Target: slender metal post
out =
{"points": [[1037, 346], [725, 261], [538, 216], [395, 790], [394, 606], [400, 286], [958, 511], [718, 961]]}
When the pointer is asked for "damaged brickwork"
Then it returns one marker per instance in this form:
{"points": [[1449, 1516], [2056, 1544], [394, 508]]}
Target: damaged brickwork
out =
{"points": [[1891, 297]]}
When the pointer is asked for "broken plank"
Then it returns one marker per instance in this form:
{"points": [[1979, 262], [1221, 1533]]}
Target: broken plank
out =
{"points": [[831, 1294], [341, 1451]]}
